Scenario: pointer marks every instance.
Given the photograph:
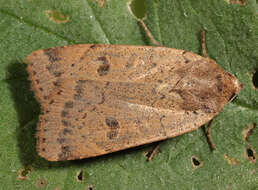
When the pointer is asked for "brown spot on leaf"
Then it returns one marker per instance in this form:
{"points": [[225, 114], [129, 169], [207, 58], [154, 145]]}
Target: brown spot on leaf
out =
{"points": [[40, 183], [230, 160], [248, 131], [24, 172], [56, 16]]}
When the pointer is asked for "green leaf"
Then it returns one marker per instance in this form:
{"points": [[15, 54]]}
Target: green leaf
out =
{"points": [[231, 39]]}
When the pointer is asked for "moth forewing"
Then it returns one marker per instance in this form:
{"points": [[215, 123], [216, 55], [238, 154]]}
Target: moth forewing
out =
{"points": [[107, 98]]}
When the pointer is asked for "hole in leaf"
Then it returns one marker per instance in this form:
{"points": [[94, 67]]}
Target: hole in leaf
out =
{"points": [[196, 162], [80, 176], [90, 187], [41, 183], [251, 154], [137, 8], [24, 172], [255, 79]]}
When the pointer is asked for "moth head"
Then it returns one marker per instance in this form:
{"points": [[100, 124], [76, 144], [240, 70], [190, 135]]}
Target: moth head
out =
{"points": [[234, 85]]}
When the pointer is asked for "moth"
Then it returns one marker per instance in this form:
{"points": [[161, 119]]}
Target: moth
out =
{"points": [[98, 99]]}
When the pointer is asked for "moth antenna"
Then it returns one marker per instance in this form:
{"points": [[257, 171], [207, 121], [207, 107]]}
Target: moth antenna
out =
{"points": [[204, 50], [149, 33]]}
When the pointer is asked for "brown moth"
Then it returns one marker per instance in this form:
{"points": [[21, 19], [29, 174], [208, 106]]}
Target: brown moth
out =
{"points": [[98, 99]]}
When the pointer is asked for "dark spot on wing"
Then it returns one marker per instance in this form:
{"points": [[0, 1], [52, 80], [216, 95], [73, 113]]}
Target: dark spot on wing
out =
{"points": [[219, 83], [104, 67], [79, 89], [54, 69], [84, 116], [69, 104], [112, 123], [195, 112], [60, 140], [59, 92], [64, 113], [83, 136], [67, 131], [207, 109], [112, 134], [52, 55], [65, 153], [57, 74], [65, 123], [55, 84], [93, 46]]}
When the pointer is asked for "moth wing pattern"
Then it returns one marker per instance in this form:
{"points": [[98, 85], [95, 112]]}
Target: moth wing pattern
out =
{"points": [[125, 97], [48, 67]]}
